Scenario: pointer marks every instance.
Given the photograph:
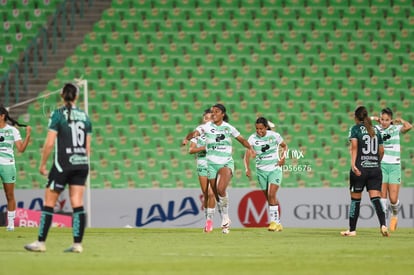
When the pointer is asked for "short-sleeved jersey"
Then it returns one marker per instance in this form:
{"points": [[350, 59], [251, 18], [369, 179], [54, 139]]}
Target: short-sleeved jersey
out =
{"points": [[8, 136], [70, 147], [267, 149], [218, 141], [200, 141], [368, 147], [391, 139]]}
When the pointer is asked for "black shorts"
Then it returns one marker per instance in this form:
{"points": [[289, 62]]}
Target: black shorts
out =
{"points": [[58, 180], [370, 178]]}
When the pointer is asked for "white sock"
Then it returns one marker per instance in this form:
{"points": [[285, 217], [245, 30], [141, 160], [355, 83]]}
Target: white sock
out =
{"points": [[274, 213], [223, 204], [10, 218], [395, 208], [384, 203], [210, 213]]}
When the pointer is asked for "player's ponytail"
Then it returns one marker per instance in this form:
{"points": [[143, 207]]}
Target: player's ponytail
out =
{"points": [[361, 114], [69, 94], [3, 111]]}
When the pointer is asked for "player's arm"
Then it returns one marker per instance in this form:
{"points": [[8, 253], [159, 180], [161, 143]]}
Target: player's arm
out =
{"points": [[406, 126], [354, 152], [247, 145], [47, 149], [22, 145], [189, 136], [194, 149], [246, 161], [88, 144], [381, 151], [282, 153]]}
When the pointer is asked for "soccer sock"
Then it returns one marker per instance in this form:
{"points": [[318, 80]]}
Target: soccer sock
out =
{"points": [[354, 213], [210, 213], [395, 208], [78, 224], [376, 202], [224, 205], [274, 213], [10, 218], [384, 203], [45, 223]]}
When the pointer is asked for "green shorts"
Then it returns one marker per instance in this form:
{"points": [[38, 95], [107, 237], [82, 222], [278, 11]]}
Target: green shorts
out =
{"points": [[269, 177], [202, 171], [213, 169], [8, 173], [391, 173]]}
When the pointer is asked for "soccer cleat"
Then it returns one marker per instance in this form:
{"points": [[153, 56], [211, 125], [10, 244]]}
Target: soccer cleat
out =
{"points": [[393, 223], [384, 231], [209, 226], [225, 226], [279, 227], [348, 233], [75, 248], [10, 228], [272, 226], [36, 247]]}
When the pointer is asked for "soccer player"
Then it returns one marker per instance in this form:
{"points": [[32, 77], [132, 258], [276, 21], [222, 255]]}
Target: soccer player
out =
{"points": [[198, 147], [10, 136], [219, 134], [71, 129], [366, 150], [269, 161], [391, 163]]}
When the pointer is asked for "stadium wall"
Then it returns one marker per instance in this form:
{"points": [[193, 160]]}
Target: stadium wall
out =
{"points": [[174, 208]]}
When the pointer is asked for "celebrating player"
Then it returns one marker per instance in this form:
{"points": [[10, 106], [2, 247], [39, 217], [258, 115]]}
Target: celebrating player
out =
{"points": [[219, 157], [269, 161], [10, 136], [391, 163]]}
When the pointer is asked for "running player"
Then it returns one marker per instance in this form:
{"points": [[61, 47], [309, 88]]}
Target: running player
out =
{"points": [[366, 150], [198, 147], [269, 161], [71, 128], [391, 163], [10, 136], [219, 157]]}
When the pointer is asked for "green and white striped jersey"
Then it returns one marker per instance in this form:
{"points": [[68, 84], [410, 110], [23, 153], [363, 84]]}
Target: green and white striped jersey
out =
{"points": [[267, 149], [391, 139], [218, 141], [8, 136], [200, 141]]}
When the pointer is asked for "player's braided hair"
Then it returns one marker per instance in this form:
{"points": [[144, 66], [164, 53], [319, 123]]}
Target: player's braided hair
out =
{"points": [[69, 93], [3, 111]]}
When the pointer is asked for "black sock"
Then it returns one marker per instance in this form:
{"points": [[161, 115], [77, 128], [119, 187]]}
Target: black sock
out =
{"points": [[78, 224], [354, 213], [376, 202], [45, 223]]}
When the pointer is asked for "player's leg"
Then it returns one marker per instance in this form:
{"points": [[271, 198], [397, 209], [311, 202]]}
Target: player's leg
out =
{"points": [[384, 188], [374, 190], [77, 181], [393, 193], [274, 178], [356, 186], [11, 205], [208, 202], [8, 175], [224, 176], [51, 197]]}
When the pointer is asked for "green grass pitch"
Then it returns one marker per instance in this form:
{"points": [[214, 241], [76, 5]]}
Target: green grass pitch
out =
{"points": [[190, 251]]}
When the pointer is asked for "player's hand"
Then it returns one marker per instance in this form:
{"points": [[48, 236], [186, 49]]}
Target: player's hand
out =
{"points": [[356, 171], [28, 130], [248, 173], [43, 170], [184, 142]]}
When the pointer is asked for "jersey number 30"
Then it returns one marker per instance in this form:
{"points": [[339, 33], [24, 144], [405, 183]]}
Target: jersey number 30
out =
{"points": [[371, 145]]}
